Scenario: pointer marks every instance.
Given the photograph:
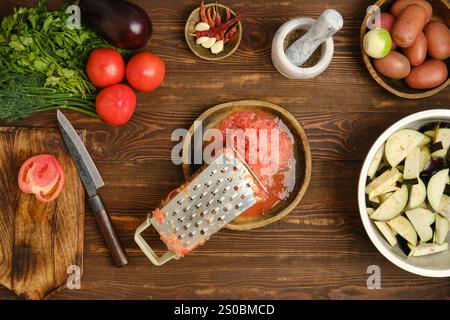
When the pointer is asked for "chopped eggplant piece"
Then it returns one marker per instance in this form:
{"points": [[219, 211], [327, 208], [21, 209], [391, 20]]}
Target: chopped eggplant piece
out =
{"points": [[411, 248], [372, 203], [382, 190], [403, 244], [387, 232], [383, 197], [412, 165], [441, 229], [376, 161], [424, 249], [436, 147], [444, 206], [425, 157], [421, 219], [400, 144], [404, 228], [384, 181], [393, 206], [443, 136], [436, 187], [417, 194]]}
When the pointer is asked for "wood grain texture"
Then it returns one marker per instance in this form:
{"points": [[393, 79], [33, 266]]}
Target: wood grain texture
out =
{"points": [[320, 251], [38, 242]]}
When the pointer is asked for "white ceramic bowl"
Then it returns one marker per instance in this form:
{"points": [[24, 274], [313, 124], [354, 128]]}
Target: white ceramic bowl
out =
{"points": [[436, 265], [287, 68]]}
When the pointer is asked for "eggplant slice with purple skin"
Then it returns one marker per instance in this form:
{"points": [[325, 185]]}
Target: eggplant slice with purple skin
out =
{"points": [[123, 24]]}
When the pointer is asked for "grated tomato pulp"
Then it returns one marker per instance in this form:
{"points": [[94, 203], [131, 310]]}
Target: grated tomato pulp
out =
{"points": [[275, 170]]}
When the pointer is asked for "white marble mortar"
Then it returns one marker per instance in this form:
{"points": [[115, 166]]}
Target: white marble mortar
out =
{"points": [[287, 68]]}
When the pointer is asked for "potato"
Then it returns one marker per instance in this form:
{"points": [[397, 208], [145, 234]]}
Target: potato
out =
{"points": [[400, 5], [394, 65], [408, 25], [386, 21], [438, 38], [417, 53], [429, 74]]}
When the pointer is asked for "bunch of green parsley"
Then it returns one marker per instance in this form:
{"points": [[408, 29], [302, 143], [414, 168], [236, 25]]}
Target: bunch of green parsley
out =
{"points": [[38, 44]]}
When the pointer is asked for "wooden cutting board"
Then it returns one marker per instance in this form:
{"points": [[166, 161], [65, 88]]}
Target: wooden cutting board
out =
{"points": [[38, 242]]}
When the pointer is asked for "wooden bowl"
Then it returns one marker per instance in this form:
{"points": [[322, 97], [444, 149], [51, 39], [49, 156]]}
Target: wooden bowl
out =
{"points": [[441, 12], [206, 54], [302, 155]]}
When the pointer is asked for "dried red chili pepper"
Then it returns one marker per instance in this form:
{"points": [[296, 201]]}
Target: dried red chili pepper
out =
{"points": [[218, 17], [229, 34], [202, 12], [214, 15], [228, 14], [210, 19], [217, 30]]}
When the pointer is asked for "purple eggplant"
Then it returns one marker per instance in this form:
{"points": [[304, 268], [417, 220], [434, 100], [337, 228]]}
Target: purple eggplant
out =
{"points": [[123, 24]]}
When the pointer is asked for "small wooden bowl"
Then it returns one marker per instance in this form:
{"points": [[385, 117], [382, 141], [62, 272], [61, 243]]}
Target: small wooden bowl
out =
{"points": [[206, 54], [302, 154], [441, 12]]}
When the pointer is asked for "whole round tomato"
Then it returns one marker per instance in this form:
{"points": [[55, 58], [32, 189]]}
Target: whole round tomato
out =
{"points": [[145, 71], [105, 67], [42, 176], [116, 104]]}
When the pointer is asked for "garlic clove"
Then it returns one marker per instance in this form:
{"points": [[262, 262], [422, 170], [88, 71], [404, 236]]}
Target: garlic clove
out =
{"points": [[202, 26], [201, 40], [217, 47], [209, 43]]}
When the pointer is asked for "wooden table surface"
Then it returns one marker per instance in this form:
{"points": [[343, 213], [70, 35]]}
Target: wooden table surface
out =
{"points": [[320, 251]]}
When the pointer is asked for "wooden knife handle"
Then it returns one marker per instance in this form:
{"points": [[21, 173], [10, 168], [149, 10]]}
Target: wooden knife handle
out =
{"points": [[109, 233]]}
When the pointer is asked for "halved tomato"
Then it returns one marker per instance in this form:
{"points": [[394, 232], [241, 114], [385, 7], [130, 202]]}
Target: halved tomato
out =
{"points": [[42, 176]]}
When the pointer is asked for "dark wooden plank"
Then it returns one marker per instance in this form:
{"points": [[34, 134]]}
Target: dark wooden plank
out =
{"points": [[333, 136]]}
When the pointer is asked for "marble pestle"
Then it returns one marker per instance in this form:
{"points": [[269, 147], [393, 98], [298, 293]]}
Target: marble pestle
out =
{"points": [[329, 22]]}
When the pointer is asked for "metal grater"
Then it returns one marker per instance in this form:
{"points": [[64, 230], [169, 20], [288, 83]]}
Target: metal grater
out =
{"points": [[218, 194]]}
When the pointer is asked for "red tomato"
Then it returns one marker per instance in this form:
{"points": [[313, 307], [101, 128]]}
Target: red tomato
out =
{"points": [[42, 176], [116, 104], [105, 67], [145, 71]]}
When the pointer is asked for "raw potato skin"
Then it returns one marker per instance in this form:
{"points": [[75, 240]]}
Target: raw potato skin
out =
{"points": [[438, 38], [417, 53], [387, 21], [394, 65], [400, 5], [429, 74], [408, 25]]}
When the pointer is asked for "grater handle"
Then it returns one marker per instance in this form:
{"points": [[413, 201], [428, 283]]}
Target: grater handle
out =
{"points": [[151, 255]]}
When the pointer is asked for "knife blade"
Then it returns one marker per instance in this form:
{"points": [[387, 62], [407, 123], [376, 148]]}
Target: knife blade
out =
{"points": [[87, 170], [92, 181]]}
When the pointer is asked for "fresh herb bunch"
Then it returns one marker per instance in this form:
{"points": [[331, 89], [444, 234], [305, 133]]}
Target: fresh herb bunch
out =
{"points": [[24, 94], [38, 40]]}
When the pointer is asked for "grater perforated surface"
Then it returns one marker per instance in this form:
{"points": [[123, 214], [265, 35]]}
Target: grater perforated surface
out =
{"points": [[217, 195]]}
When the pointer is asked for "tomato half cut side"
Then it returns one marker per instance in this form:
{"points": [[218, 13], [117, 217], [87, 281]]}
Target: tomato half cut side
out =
{"points": [[43, 176]]}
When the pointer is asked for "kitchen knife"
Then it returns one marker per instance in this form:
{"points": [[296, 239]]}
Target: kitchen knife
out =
{"points": [[92, 181]]}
